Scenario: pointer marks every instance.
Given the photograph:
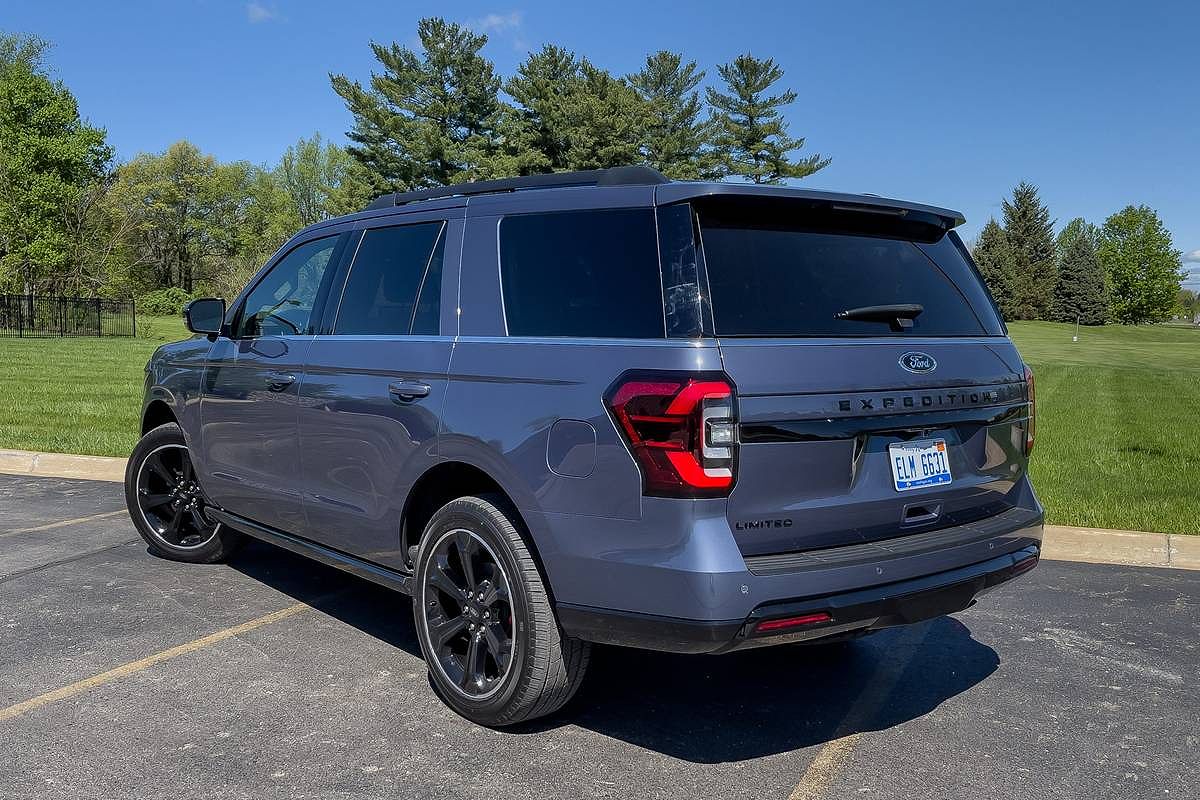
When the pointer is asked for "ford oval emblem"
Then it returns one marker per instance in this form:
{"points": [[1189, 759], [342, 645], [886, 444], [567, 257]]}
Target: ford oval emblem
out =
{"points": [[918, 362]]}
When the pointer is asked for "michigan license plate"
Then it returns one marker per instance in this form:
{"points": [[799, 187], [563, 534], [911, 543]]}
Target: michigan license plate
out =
{"points": [[919, 464]]}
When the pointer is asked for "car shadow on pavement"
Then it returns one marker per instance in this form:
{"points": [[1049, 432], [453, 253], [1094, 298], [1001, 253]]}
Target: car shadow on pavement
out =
{"points": [[716, 709], [704, 709], [376, 611]]}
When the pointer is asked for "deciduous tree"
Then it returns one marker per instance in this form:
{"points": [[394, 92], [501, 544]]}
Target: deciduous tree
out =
{"points": [[1143, 267], [48, 157]]}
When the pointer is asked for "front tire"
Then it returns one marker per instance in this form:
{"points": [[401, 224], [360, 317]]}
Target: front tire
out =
{"points": [[166, 503], [484, 619]]}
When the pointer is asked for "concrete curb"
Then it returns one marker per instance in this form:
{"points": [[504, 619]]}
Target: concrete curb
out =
{"points": [[60, 465], [1062, 543]]}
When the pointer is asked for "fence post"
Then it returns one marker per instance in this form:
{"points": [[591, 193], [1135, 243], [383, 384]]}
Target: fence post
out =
{"points": [[133, 315], [99, 330]]}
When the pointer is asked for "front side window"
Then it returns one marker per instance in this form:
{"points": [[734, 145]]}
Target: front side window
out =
{"points": [[582, 273], [394, 287], [282, 302]]}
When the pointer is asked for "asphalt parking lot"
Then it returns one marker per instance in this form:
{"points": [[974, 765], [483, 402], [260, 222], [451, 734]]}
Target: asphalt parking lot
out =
{"points": [[123, 675]]}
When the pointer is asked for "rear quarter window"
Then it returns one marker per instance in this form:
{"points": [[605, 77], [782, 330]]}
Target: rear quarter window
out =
{"points": [[582, 274], [774, 279]]}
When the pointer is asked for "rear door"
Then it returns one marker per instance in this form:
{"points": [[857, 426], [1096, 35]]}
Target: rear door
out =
{"points": [[878, 392], [374, 383]]}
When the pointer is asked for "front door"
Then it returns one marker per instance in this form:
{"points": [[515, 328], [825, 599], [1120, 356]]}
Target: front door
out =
{"points": [[373, 389], [248, 423]]}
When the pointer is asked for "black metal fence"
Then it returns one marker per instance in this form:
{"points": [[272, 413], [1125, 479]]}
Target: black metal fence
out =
{"points": [[23, 315]]}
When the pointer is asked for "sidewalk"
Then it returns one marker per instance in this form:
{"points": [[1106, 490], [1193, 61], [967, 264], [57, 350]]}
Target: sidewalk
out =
{"points": [[1061, 543]]}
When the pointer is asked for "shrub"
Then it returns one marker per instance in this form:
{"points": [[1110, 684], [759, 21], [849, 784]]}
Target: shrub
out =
{"points": [[163, 302]]}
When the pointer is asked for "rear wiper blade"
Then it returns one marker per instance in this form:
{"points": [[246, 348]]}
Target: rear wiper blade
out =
{"points": [[900, 315]]}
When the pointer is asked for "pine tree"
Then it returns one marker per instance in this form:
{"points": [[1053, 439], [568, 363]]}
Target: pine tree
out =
{"points": [[428, 119], [1030, 234], [1143, 268], [750, 136], [1076, 227], [533, 131], [676, 138], [1079, 295], [998, 266], [569, 114]]}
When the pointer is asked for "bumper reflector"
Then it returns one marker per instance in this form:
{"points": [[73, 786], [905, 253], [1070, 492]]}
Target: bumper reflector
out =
{"points": [[787, 623]]}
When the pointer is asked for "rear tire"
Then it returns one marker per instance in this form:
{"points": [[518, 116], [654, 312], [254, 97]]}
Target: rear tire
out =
{"points": [[167, 505], [484, 619]]}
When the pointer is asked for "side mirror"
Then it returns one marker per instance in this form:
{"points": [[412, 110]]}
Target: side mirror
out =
{"points": [[205, 315]]}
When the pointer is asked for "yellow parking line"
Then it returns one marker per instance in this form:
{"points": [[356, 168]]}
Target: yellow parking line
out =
{"points": [[819, 776], [132, 667], [63, 523]]}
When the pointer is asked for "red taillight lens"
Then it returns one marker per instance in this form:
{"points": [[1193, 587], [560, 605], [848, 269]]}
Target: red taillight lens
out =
{"points": [[682, 431], [1032, 428]]}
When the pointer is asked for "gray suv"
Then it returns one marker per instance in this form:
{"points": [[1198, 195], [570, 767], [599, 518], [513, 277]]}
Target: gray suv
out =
{"points": [[604, 407]]}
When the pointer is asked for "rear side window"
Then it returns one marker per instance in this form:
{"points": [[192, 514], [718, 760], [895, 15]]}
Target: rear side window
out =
{"points": [[394, 286], [582, 273], [778, 279]]}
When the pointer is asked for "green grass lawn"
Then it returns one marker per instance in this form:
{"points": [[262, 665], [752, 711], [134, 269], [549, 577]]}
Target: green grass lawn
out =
{"points": [[78, 395], [1118, 442], [1118, 413]]}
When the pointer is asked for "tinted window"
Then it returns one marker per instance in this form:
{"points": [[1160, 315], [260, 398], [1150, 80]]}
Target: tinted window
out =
{"points": [[582, 273], [282, 302], [782, 281], [428, 316], [381, 293]]}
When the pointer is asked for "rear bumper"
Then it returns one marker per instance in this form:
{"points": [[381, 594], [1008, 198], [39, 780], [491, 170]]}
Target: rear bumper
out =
{"points": [[852, 612]]}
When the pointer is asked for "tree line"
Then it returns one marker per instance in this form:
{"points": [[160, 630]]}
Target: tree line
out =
{"points": [[1126, 270], [165, 226]]}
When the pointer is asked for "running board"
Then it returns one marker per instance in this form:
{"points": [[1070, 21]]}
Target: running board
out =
{"points": [[392, 579]]}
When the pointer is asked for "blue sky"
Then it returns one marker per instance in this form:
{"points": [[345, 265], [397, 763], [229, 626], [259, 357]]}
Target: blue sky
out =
{"points": [[1097, 103]]}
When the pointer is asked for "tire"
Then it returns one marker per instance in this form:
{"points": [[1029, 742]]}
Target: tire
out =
{"points": [[161, 489], [543, 668]]}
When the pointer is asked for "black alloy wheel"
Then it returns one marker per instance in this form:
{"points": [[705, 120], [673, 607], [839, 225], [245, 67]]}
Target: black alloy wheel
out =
{"points": [[468, 613]]}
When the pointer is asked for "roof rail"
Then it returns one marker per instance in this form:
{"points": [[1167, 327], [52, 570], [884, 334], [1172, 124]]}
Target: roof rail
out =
{"points": [[613, 176]]}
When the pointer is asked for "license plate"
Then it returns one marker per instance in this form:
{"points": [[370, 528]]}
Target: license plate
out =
{"points": [[919, 464]]}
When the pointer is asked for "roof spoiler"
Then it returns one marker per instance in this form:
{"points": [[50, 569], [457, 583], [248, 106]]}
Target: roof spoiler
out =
{"points": [[613, 176]]}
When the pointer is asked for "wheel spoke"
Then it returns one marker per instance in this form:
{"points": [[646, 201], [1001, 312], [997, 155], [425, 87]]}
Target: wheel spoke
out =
{"points": [[156, 466], [442, 630], [496, 592], [473, 663], [498, 644], [466, 546], [202, 525], [440, 579], [176, 521], [149, 501], [187, 466]]}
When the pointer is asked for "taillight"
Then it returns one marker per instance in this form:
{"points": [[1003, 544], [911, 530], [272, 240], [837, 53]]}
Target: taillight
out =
{"points": [[1032, 426], [681, 429]]}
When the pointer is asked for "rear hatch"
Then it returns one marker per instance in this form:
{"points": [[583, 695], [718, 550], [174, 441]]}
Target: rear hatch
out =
{"points": [[878, 393]]}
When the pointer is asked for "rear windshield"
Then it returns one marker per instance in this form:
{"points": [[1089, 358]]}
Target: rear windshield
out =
{"points": [[770, 277]]}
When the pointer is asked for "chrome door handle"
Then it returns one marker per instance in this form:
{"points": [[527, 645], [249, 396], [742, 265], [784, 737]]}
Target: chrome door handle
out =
{"points": [[408, 390], [278, 381]]}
